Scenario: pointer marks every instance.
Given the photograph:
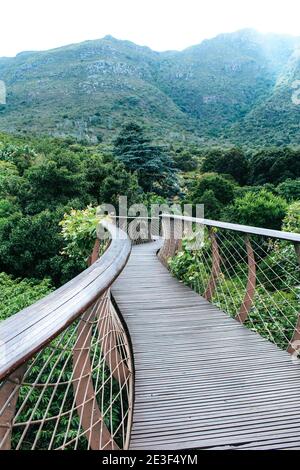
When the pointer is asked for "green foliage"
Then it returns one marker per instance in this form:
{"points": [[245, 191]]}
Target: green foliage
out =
{"points": [[154, 168], [56, 365], [10, 180], [222, 189], [152, 198], [16, 294], [21, 156], [29, 245], [275, 308], [274, 165], [8, 207], [184, 160], [274, 316], [232, 162], [212, 206], [289, 189], [262, 209], [280, 268], [38, 186], [291, 222], [54, 181], [79, 231]]}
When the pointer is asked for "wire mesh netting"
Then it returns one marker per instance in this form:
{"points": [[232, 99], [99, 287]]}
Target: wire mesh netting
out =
{"points": [[76, 393], [254, 279]]}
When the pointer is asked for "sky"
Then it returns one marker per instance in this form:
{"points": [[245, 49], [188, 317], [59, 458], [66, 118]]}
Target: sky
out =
{"points": [[159, 24]]}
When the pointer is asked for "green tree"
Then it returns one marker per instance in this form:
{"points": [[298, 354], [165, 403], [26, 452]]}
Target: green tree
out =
{"points": [[274, 165], [291, 222], [29, 244], [11, 182], [222, 188], [185, 161], [108, 179], [290, 189], [154, 168], [231, 162], [20, 155], [212, 207], [54, 181], [16, 294], [260, 209]]}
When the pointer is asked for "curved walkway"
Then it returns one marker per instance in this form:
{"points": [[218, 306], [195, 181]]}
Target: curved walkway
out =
{"points": [[202, 379]]}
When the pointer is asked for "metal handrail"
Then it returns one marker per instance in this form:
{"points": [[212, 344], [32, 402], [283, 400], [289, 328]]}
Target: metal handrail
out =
{"points": [[288, 236], [30, 330]]}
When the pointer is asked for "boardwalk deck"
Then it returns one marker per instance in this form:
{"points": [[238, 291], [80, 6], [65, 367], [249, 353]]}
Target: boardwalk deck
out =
{"points": [[202, 379]]}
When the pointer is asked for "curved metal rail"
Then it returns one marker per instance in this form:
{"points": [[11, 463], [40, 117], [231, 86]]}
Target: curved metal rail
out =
{"points": [[66, 365]]}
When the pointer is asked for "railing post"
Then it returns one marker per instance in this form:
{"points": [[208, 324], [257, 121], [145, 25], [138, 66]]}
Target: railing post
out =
{"points": [[95, 253], [216, 266], [9, 394], [295, 341], [166, 233], [172, 234], [178, 234], [251, 284], [297, 249]]}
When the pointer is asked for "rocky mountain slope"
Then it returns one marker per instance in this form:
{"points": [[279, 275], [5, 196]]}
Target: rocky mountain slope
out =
{"points": [[235, 88]]}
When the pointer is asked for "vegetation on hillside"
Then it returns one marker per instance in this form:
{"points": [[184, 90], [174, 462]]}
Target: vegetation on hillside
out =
{"points": [[235, 88]]}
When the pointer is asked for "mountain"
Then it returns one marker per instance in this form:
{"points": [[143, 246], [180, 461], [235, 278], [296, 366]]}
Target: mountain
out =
{"points": [[235, 88]]}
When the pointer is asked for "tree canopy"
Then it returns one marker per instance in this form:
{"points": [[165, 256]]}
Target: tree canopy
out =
{"points": [[153, 166]]}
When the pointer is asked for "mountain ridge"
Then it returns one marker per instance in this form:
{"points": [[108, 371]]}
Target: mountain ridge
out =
{"points": [[223, 89]]}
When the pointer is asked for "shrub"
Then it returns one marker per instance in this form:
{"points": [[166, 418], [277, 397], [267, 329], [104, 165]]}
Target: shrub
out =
{"points": [[260, 209]]}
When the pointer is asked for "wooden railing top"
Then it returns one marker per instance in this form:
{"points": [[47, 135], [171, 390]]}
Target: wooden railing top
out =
{"points": [[289, 236], [28, 331]]}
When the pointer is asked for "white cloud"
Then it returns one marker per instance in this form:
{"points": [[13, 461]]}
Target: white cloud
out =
{"points": [[160, 24]]}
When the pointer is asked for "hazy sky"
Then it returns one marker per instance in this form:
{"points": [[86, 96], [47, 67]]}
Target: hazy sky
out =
{"points": [[159, 24]]}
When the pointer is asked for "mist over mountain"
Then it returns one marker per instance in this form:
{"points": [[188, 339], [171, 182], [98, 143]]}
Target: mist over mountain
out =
{"points": [[235, 88]]}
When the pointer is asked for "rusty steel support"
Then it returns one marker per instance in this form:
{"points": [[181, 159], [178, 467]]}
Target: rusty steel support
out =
{"points": [[95, 253], [165, 249], [172, 240], [9, 394], [251, 284], [297, 249], [294, 344], [216, 266], [109, 345], [178, 233], [90, 416]]}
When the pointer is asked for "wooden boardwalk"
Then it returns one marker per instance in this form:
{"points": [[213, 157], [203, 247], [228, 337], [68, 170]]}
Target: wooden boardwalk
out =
{"points": [[202, 379]]}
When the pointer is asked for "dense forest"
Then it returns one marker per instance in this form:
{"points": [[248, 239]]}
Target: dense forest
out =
{"points": [[44, 181]]}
